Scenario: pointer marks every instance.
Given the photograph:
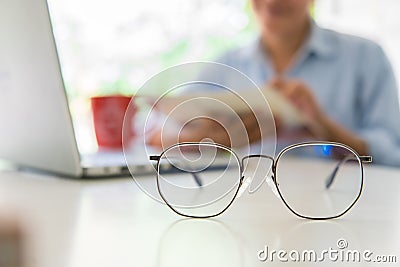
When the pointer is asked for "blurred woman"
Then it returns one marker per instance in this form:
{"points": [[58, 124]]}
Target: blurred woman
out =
{"points": [[343, 85]]}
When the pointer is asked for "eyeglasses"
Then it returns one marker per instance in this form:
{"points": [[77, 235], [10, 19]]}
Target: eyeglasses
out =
{"points": [[315, 180]]}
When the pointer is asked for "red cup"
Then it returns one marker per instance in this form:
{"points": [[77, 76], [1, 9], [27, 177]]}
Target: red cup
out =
{"points": [[108, 118]]}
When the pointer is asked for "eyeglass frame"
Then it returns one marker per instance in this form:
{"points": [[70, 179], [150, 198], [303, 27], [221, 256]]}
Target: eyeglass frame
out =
{"points": [[361, 159]]}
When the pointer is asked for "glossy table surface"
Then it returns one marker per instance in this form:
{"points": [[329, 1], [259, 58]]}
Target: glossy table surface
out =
{"points": [[111, 222]]}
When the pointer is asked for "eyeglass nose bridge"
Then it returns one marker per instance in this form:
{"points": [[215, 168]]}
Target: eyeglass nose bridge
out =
{"points": [[269, 178]]}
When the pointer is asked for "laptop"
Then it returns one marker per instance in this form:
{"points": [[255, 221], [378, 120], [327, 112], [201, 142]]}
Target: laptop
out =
{"points": [[36, 124]]}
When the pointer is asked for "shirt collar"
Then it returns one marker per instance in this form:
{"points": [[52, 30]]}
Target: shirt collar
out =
{"points": [[319, 42]]}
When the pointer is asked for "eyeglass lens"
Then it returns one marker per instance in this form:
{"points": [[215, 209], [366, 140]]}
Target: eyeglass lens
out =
{"points": [[324, 181], [198, 180]]}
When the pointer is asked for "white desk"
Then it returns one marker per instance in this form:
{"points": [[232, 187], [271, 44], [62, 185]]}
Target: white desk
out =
{"points": [[112, 223]]}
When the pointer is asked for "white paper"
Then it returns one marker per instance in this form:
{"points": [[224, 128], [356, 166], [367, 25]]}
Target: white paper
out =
{"points": [[184, 107]]}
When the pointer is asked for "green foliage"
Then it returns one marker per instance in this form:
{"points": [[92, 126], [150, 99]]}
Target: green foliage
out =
{"points": [[213, 44], [174, 54], [119, 87]]}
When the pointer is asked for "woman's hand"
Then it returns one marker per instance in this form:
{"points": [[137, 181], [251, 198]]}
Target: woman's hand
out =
{"points": [[301, 96], [318, 125]]}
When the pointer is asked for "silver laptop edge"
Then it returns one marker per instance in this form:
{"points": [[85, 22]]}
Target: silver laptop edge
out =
{"points": [[37, 129]]}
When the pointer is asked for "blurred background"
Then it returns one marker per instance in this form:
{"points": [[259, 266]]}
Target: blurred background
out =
{"points": [[113, 47]]}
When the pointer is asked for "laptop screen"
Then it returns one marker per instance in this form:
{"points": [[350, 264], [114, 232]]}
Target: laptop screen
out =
{"points": [[36, 124]]}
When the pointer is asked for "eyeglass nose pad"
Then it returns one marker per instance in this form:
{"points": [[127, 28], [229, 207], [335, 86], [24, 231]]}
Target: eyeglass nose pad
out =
{"points": [[246, 181], [272, 185]]}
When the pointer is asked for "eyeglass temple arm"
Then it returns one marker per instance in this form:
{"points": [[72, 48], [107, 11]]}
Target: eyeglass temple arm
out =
{"points": [[331, 177], [196, 178]]}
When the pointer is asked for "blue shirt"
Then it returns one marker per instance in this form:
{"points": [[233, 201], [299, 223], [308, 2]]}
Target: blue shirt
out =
{"points": [[351, 78]]}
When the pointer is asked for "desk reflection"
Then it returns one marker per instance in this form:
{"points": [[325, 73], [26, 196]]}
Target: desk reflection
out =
{"points": [[200, 243]]}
